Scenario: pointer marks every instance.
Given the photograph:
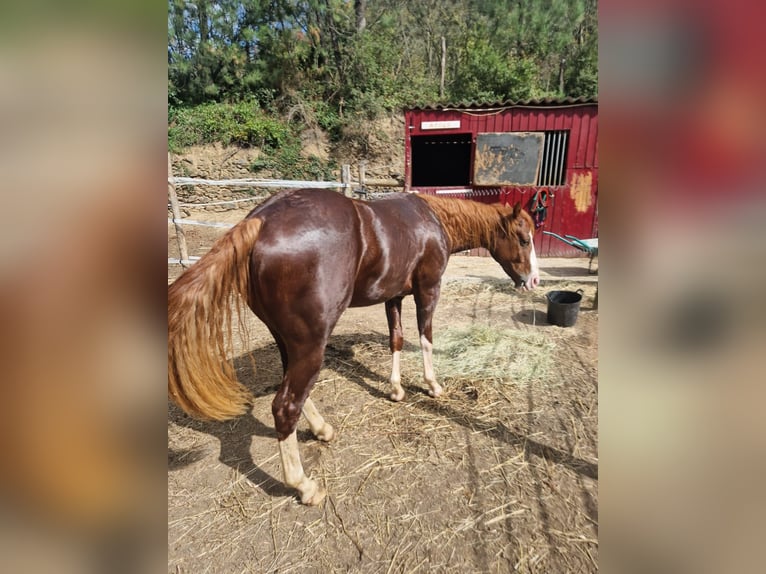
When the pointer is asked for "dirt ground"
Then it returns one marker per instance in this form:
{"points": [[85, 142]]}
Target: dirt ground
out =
{"points": [[499, 474]]}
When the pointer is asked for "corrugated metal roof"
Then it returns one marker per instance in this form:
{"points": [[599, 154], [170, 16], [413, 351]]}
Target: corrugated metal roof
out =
{"points": [[532, 103]]}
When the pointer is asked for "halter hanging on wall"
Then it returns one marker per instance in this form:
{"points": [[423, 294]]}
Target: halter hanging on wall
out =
{"points": [[538, 207]]}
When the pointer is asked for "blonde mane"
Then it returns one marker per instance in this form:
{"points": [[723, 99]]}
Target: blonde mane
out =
{"points": [[470, 224]]}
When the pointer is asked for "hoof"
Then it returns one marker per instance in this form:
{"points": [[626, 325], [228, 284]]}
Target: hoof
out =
{"points": [[314, 496], [397, 395], [326, 434], [435, 391]]}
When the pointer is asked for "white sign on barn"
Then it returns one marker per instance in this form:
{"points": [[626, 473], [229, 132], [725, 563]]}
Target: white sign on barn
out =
{"points": [[442, 125]]}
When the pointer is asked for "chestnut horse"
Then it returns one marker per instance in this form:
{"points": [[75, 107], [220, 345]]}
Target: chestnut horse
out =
{"points": [[298, 261]]}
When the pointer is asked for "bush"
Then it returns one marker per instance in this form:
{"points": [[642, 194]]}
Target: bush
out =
{"points": [[288, 163], [243, 124]]}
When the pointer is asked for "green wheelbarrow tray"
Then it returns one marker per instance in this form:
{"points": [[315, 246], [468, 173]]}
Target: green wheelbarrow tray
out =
{"points": [[589, 246]]}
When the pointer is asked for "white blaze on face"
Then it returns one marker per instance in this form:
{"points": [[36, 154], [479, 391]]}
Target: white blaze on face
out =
{"points": [[533, 279]]}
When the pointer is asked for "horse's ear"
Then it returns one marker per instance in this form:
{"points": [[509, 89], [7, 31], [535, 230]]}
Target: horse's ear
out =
{"points": [[516, 209]]}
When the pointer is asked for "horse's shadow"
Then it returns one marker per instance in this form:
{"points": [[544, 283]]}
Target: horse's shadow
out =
{"points": [[261, 372], [235, 438]]}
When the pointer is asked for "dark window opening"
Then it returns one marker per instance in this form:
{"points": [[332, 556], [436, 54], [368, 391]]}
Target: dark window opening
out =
{"points": [[552, 167], [443, 160]]}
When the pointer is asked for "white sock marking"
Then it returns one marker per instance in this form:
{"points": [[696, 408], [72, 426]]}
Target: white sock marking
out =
{"points": [[320, 429], [397, 392], [428, 366], [396, 375], [292, 470]]}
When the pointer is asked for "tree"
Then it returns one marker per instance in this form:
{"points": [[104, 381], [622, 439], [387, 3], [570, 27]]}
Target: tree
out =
{"points": [[373, 56]]}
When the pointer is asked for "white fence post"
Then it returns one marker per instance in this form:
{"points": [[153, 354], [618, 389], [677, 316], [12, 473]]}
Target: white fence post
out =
{"points": [[345, 178], [183, 252]]}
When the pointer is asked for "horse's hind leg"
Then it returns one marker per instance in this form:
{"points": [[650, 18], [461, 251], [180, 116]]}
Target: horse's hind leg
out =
{"points": [[303, 364], [396, 341], [320, 429], [292, 469]]}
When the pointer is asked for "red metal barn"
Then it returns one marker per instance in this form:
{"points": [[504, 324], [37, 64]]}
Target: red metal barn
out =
{"points": [[508, 152]]}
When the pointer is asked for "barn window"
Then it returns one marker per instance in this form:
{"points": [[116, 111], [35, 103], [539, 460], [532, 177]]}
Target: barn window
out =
{"points": [[441, 160], [552, 166]]}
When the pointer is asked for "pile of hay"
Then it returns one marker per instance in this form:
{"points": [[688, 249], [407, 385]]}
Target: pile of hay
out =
{"points": [[482, 354]]}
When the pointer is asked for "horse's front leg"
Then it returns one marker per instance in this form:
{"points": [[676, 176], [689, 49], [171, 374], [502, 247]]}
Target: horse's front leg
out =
{"points": [[396, 341], [302, 369], [426, 300]]}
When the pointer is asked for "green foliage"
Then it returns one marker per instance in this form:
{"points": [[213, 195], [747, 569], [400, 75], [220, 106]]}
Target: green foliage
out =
{"points": [[486, 74], [328, 118], [245, 124], [275, 54], [287, 162], [242, 124]]}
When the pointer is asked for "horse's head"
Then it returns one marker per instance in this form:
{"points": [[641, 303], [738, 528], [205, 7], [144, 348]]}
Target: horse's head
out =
{"points": [[514, 249]]}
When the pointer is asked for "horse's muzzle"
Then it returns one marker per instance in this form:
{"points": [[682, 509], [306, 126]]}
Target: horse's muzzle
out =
{"points": [[529, 283]]}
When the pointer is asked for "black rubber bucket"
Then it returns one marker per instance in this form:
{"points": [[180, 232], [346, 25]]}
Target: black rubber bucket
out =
{"points": [[563, 307]]}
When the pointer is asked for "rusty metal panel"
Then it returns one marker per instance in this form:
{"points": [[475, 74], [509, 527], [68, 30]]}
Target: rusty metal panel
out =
{"points": [[507, 158]]}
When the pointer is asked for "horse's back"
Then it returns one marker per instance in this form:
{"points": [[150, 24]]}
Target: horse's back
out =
{"points": [[296, 211], [321, 252]]}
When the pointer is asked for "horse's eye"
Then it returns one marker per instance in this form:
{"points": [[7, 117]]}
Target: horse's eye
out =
{"points": [[524, 242]]}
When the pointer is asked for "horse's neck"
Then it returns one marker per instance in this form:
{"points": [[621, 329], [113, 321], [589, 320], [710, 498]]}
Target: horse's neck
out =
{"points": [[463, 239], [466, 226]]}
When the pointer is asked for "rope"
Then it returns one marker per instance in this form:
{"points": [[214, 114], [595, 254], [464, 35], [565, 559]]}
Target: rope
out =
{"points": [[176, 261], [254, 198], [256, 182], [201, 223], [538, 207]]}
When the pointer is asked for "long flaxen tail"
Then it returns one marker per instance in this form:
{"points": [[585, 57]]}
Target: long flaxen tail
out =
{"points": [[201, 306]]}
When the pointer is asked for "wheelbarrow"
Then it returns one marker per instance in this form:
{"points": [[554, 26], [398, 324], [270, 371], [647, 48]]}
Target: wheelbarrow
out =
{"points": [[589, 246]]}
